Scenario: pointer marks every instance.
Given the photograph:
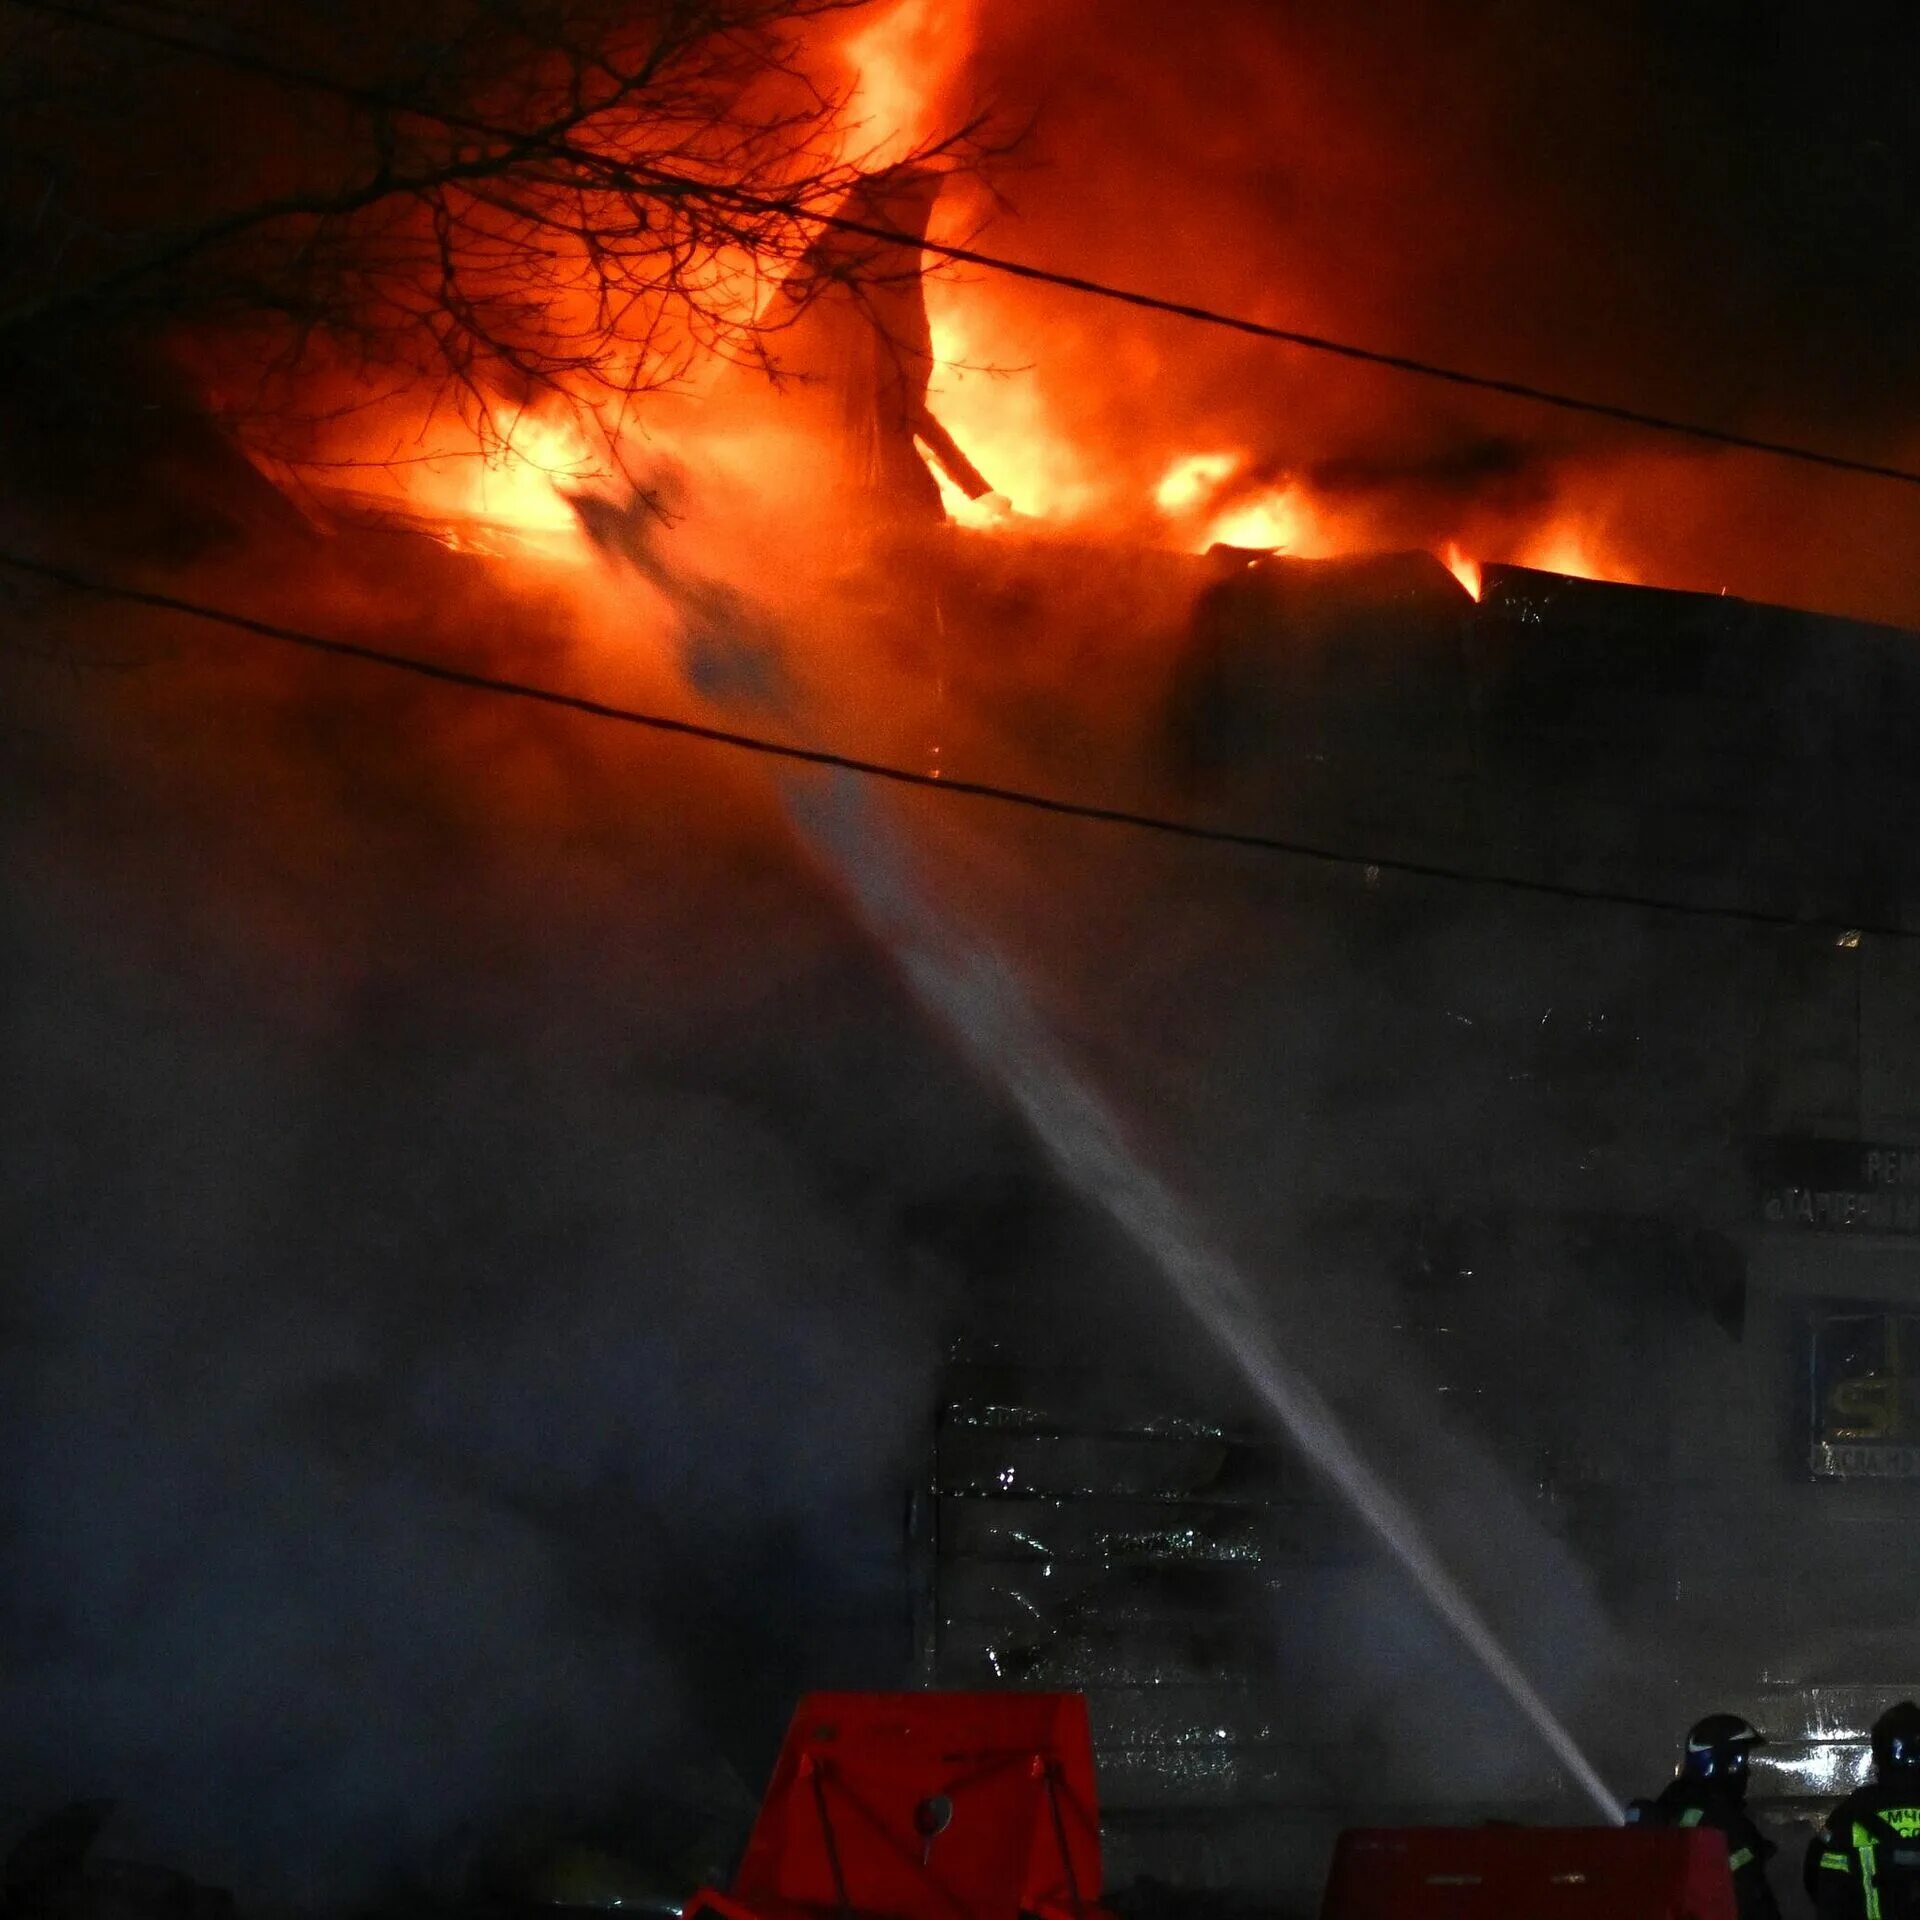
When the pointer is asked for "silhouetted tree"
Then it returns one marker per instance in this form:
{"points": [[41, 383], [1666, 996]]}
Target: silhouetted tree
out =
{"points": [[494, 195]]}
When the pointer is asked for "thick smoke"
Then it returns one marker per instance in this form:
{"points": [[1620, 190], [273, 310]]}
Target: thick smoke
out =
{"points": [[481, 1225], [1261, 1333], [490, 1219], [487, 1220], [1664, 208]]}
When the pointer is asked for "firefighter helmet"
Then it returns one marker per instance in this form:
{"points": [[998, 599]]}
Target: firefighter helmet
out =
{"points": [[1896, 1742], [1717, 1749]]}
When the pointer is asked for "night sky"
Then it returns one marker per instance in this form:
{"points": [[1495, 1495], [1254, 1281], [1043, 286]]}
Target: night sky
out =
{"points": [[486, 1209]]}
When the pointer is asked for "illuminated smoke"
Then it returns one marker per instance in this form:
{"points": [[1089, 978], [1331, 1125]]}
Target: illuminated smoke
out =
{"points": [[1368, 187], [1253, 160], [979, 1001]]}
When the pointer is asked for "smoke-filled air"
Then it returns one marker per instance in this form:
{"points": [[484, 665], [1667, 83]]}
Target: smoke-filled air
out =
{"points": [[776, 920]]}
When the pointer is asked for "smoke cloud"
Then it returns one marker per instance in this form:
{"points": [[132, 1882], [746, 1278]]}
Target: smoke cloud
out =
{"points": [[487, 1218], [481, 1225], [1671, 212]]}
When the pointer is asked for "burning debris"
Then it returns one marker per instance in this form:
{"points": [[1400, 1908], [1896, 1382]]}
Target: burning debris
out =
{"points": [[859, 336], [494, 1219]]}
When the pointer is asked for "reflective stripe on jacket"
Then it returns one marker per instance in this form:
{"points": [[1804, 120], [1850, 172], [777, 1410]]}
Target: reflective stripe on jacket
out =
{"points": [[1867, 1860], [1682, 1804]]}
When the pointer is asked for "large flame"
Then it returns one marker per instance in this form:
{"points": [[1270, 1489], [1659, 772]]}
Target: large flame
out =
{"points": [[1281, 520], [900, 60], [532, 457], [1049, 453], [1192, 479], [1003, 417], [1463, 569]]}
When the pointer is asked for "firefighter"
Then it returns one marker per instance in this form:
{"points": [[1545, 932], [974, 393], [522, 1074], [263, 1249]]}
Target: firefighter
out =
{"points": [[1864, 1864], [1710, 1790]]}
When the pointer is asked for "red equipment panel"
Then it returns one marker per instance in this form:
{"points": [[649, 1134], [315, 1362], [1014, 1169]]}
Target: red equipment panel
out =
{"points": [[925, 1806], [1529, 1873]]}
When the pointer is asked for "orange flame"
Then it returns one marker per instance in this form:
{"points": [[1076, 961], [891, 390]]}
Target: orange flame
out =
{"points": [[1192, 479], [1466, 571], [1002, 419], [531, 458], [897, 67], [900, 63], [1577, 551], [1282, 520]]}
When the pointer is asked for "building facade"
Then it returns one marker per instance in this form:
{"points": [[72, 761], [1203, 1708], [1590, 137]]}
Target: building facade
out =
{"points": [[1615, 1174]]}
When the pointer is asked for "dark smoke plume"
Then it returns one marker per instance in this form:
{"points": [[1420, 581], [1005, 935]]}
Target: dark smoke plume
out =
{"points": [[480, 1223], [1702, 216]]}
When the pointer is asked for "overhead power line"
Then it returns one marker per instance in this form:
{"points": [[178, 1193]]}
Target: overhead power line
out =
{"points": [[663, 180], [1400, 363], [1371, 864]]}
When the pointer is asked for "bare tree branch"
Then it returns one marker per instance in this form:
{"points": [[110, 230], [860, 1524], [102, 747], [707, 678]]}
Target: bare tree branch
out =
{"points": [[528, 195]]}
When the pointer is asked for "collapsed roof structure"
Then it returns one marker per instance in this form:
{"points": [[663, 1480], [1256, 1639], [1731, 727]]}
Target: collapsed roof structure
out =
{"points": [[856, 330]]}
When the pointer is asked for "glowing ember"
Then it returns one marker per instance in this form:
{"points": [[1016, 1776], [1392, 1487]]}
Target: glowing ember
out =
{"points": [[1193, 478], [1001, 418], [1466, 571], [1281, 521], [519, 482]]}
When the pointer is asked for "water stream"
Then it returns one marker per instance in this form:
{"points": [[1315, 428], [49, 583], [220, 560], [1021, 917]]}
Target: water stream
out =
{"points": [[972, 993]]}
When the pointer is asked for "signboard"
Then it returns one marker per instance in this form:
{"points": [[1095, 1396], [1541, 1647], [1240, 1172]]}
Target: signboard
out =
{"points": [[1839, 1186], [1865, 1381]]}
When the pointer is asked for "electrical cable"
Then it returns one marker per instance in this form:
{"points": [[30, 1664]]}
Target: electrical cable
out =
{"points": [[1371, 864], [662, 180]]}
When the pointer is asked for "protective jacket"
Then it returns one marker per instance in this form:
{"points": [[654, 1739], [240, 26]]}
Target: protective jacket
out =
{"points": [[1687, 1803], [1864, 1863]]}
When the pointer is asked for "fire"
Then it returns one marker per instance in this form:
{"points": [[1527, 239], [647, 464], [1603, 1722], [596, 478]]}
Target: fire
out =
{"points": [[1466, 571], [1193, 478], [529, 459], [1283, 521], [900, 63], [1279, 519], [1003, 420], [1575, 551], [503, 482], [493, 483], [506, 488]]}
